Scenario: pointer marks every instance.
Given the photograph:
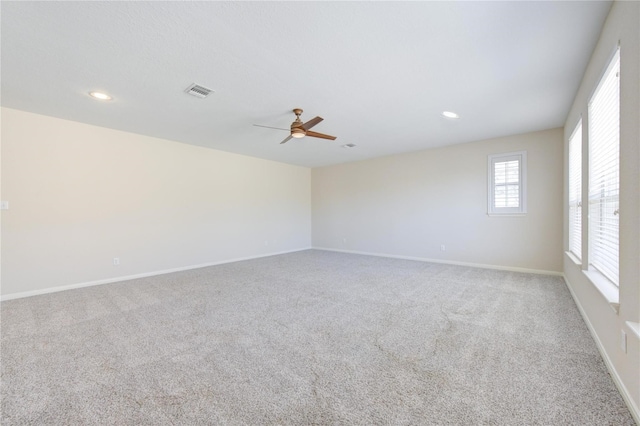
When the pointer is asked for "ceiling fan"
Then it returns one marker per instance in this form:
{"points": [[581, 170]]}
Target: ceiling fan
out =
{"points": [[299, 129]]}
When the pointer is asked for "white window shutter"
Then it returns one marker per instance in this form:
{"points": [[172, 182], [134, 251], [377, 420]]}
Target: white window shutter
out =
{"points": [[507, 183]]}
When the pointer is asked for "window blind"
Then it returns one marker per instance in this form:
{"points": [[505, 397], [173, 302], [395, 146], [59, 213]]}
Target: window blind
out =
{"points": [[604, 173], [575, 191]]}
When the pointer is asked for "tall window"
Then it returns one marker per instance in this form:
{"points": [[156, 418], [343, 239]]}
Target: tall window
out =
{"points": [[604, 173], [507, 183], [575, 191]]}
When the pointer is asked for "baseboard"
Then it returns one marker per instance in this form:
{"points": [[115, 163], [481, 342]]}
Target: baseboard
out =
{"points": [[447, 262], [626, 396], [132, 277]]}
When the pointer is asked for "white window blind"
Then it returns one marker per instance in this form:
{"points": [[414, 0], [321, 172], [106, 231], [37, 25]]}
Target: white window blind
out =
{"points": [[575, 191], [507, 174], [604, 172]]}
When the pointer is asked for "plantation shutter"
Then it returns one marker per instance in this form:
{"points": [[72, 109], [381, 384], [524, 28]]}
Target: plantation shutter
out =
{"points": [[604, 173], [575, 191], [507, 179], [507, 183]]}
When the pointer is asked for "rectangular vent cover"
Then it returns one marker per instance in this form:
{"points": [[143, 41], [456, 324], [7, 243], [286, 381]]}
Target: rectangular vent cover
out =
{"points": [[198, 91]]}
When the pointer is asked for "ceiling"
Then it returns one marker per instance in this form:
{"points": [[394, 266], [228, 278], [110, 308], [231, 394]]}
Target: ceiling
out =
{"points": [[379, 73]]}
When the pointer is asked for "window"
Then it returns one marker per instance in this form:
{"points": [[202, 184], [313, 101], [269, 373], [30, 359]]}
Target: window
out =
{"points": [[604, 173], [575, 191], [507, 183]]}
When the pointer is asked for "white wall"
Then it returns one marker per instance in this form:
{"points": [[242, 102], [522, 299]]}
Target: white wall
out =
{"points": [[80, 195], [622, 25], [410, 204]]}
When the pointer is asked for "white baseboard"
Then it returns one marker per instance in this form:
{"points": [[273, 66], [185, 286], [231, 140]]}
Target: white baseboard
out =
{"points": [[631, 404], [132, 277], [448, 262]]}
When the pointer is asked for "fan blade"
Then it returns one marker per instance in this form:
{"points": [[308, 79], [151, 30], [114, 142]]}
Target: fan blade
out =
{"points": [[320, 135], [287, 139], [309, 124], [269, 127]]}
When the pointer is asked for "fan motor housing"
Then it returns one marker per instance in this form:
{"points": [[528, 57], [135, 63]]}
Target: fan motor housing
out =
{"points": [[297, 132]]}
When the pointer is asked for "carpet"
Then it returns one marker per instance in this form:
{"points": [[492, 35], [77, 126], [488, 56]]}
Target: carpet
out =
{"points": [[311, 337]]}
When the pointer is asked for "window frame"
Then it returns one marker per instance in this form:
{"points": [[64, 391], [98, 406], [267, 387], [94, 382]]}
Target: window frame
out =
{"points": [[492, 160]]}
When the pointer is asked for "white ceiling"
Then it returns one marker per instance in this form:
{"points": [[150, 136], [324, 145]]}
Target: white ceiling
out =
{"points": [[379, 73]]}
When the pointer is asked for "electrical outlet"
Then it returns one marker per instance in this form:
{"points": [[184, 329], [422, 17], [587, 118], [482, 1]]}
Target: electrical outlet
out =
{"points": [[116, 261], [344, 241], [4, 205], [442, 247], [266, 242], [623, 341]]}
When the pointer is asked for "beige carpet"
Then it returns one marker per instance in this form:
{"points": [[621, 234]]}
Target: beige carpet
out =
{"points": [[307, 338]]}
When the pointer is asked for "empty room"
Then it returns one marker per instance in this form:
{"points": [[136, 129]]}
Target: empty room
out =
{"points": [[320, 213]]}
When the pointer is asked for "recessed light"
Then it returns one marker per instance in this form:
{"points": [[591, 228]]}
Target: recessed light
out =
{"points": [[100, 95], [349, 145], [450, 114]]}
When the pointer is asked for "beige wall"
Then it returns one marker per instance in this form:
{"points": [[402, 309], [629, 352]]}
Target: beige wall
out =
{"points": [[410, 204], [622, 25], [80, 195]]}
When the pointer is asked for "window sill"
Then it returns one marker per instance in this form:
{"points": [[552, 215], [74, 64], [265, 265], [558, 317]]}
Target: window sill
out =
{"points": [[635, 327], [607, 289], [573, 258], [506, 214]]}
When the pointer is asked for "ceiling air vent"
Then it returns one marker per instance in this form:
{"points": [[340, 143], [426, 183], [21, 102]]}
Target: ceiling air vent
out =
{"points": [[349, 145], [198, 91]]}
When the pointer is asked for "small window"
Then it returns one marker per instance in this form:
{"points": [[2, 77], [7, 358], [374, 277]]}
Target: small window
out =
{"points": [[575, 191], [507, 183]]}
